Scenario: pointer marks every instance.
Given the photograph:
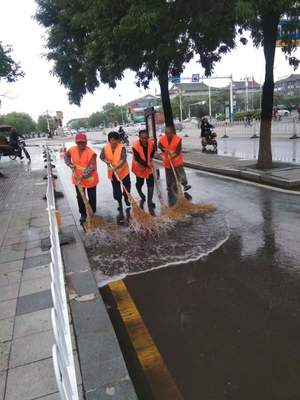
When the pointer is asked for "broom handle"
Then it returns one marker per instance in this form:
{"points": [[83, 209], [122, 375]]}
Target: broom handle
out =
{"points": [[87, 205], [125, 190], [175, 174]]}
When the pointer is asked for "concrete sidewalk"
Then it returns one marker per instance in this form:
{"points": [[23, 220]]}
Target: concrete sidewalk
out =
{"points": [[283, 175], [26, 337]]}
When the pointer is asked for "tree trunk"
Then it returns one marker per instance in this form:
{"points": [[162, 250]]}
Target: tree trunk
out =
{"points": [[165, 96], [270, 24]]}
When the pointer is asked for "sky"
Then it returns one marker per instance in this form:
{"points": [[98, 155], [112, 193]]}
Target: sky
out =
{"points": [[39, 91]]}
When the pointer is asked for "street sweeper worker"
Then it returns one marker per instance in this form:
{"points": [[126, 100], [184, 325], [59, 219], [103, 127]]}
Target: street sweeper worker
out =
{"points": [[170, 145], [83, 161], [114, 155], [143, 152]]}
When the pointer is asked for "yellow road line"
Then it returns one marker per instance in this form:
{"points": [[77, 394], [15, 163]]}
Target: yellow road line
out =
{"points": [[159, 378]]}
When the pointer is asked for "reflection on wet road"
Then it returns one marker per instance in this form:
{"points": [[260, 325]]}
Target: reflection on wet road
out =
{"points": [[228, 324]]}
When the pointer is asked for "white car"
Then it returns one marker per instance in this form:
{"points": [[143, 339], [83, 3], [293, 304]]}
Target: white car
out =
{"points": [[283, 113]]}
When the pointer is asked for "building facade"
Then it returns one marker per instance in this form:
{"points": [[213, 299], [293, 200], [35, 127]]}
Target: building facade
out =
{"points": [[289, 86]]}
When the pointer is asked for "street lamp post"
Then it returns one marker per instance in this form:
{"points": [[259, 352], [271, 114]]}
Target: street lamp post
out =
{"points": [[121, 110]]}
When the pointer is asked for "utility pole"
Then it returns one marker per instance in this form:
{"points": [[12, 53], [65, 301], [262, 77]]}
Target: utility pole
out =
{"points": [[247, 93], [231, 99], [209, 100], [180, 103], [121, 110]]}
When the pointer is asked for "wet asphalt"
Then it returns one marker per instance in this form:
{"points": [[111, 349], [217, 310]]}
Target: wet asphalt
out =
{"points": [[228, 324]]}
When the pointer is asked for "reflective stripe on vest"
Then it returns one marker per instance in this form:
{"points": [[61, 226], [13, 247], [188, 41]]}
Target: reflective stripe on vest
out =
{"points": [[138, 169], [81, 161], [114, 158], [178, 160]]}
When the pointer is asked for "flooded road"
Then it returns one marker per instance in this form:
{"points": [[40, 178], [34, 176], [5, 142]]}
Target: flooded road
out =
{"points": [[225, 315]]}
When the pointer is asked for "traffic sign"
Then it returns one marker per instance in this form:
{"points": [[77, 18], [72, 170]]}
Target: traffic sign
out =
{"points": [[288, 30], [195, 78], [175, 79]]}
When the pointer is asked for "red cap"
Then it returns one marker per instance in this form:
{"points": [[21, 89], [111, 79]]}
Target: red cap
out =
{"points": [[80, 137]]}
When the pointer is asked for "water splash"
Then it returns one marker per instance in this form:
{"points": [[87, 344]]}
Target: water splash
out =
{"points": [[185, 241]]}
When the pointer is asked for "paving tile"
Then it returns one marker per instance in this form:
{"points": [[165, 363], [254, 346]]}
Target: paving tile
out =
{"points": [[122, 390], [9, 292], [99, 373], [37, 261], [34, 302], [37, 251], [6, 329], [10, 278], [56, 396], [53, 396], [2, 384], [33, 244], [34, 286], [7, 308], [31, 348], [90, 316], [31, 381], [35, 322], [10, 266], [4, 354], [30, 234], [36, 273], [39, 222], [11, 255]]}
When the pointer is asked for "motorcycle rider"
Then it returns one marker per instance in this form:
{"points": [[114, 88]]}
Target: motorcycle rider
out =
{"points": [[123, 136], [206, 132], [14, 141]]}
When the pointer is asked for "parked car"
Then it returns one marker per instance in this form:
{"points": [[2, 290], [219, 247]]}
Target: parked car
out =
{"points": [[178, 126], [283, 113]]}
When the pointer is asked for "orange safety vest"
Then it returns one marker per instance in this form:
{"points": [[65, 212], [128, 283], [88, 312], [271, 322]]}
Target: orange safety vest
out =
{"points": [[114, 159], [178, 160], [81, 162], [138, 169]]}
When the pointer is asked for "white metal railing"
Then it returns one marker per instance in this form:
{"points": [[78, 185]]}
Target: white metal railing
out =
{"points": [[63, 360]]}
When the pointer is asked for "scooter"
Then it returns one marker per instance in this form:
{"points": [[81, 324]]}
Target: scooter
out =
{"points": [[210, 140]]}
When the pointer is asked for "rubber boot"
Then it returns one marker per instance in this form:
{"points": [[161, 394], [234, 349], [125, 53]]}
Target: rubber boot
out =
{"points": [[142, 196], [151, 205], [120, 207]]}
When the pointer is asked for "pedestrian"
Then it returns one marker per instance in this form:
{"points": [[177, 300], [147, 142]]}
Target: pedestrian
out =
{"points": [[114, 155], [298, 111], [171, 146], [83, 161], [143, 151]]}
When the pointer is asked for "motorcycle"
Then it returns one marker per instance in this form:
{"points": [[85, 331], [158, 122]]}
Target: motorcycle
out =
{"points": [[14, 152], [124, 138], [210, 140]]}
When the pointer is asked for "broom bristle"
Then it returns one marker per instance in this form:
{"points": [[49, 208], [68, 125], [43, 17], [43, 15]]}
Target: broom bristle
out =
{"points": [[95, 222], [184, 207]]}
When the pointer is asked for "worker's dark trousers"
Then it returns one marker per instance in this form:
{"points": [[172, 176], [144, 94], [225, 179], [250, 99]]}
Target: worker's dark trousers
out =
{"points": [[171, 180], [117, 190], [150, 185], [91, 192]]}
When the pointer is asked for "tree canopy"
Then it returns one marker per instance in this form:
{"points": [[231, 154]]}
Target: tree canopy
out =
{"points": [[42, 124], [96, 42], [21, 121], [9, 69]]}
